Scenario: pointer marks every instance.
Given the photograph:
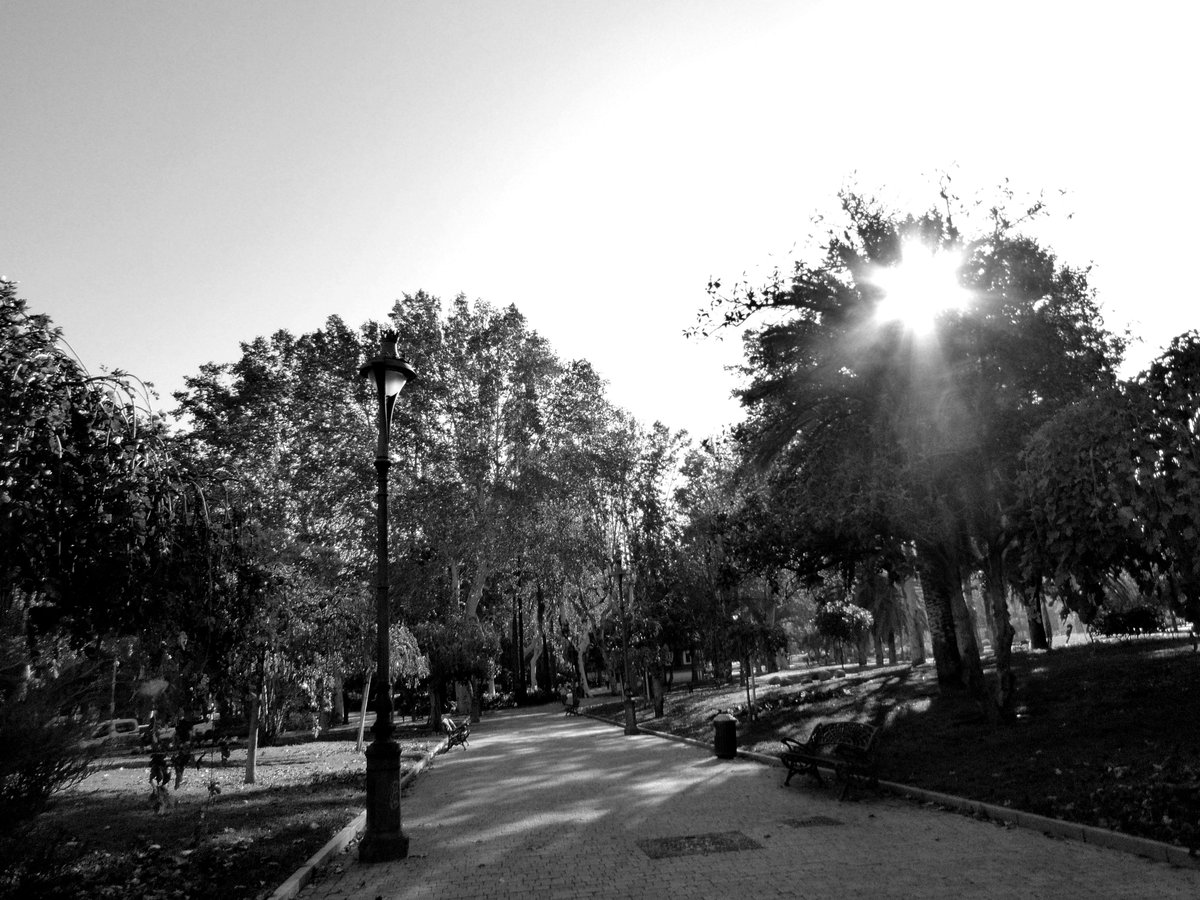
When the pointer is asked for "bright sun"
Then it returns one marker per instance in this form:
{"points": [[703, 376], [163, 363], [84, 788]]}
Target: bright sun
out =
{"points": [[920, 287]]}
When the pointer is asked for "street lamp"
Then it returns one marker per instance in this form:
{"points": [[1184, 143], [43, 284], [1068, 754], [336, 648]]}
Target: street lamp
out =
{"points": [[383, 839], [631, 726]]}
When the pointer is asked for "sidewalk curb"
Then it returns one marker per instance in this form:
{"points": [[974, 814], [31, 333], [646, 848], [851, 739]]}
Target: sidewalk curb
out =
{"points": [[1087, 834], [302, 876]]}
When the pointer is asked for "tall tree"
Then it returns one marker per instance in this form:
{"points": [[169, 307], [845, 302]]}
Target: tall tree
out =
{"points": [[944, 413]]}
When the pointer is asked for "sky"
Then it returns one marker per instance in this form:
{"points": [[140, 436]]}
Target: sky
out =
{"points": [[176, 178]]}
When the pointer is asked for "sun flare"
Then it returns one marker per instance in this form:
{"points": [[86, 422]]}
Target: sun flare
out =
{"points": [[919, 288]]}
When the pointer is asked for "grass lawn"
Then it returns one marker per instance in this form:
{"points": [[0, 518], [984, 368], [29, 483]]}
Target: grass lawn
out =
{"points": [[103, 839], [1106, 734]]}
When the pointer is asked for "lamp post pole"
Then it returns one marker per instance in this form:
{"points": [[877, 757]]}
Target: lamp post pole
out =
{"points": [[631, 726], [383, 838]]}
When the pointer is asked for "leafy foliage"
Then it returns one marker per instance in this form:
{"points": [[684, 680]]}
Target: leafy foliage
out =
{"points": [[842, 621], [875, 440]]}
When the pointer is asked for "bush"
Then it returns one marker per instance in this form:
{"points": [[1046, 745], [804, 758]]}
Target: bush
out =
{"points": [[842, 621], [1136, 620], [36, 759]]}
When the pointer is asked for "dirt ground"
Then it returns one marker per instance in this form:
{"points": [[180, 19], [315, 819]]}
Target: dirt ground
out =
{"points": [[216, 837]]}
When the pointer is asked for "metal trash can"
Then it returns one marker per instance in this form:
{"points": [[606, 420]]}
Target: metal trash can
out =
{"points": [[725, 736]]}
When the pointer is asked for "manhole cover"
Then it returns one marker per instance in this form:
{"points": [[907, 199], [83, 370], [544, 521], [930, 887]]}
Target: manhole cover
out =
{"points": [[698, 844], [811, 821]]}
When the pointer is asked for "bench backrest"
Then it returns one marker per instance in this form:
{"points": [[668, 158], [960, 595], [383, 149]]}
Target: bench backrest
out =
{"points": [[852, 734]]}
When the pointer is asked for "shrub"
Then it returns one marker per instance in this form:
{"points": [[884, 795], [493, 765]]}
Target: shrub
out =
{"points": [[1136, 620], [39, 753]]}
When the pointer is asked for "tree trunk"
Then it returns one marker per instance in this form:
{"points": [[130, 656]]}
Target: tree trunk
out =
{"points": [[437, 706], [519, 672], [546, 681], [463, 698], [112, 697], [914, 617], [939, 577], [581, 668], [252, 742], [891, 641], [1047, 622], [989, 611], [339, 701], [1037, 629], [877, 638], [252, 737], [535, 658], [483, 572], [515, 661], [1002, 637], [362, 712], [972, 675], [749, 699]]}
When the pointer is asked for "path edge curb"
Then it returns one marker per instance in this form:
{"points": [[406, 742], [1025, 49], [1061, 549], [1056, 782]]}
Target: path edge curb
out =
{"points": [[1087, 834], [300, 879]]}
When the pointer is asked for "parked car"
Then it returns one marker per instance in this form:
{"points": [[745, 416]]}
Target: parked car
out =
{"points": [[164, 735], [113, 734], [196, 730]]}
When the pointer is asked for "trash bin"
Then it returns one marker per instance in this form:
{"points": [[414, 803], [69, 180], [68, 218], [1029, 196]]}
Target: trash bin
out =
{"points": [[725, 736]]}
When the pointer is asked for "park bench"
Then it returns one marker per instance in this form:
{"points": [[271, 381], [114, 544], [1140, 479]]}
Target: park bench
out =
{"points": [[455, 734], [571, 704], [846, 747]]}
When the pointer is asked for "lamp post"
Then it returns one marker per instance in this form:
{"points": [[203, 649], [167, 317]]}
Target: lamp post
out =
{"points": [[383, 839], [631, 726]]}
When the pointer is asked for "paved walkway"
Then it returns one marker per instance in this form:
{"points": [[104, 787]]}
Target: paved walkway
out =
{"points": [[545, 806]]}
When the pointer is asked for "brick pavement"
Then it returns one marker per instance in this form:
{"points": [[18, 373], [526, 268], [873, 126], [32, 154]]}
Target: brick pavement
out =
{"points": [[546, 806]]}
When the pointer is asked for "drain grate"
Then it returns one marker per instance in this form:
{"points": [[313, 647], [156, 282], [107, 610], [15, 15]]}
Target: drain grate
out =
{"points": [[811, 821], [698, 844]]}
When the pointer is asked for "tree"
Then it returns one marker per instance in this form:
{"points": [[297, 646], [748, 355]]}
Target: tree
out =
{"points": [[1110, 489], [87, 486], [1171, 468], [943, 417], [1084, 513], [841, 622]]}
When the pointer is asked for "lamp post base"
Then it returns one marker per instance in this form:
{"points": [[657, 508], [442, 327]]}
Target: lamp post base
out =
{"points": [[631, 726], [383, 840]]}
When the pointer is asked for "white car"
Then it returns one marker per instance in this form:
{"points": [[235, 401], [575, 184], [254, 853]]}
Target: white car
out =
{"points": [[113, 734]]}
